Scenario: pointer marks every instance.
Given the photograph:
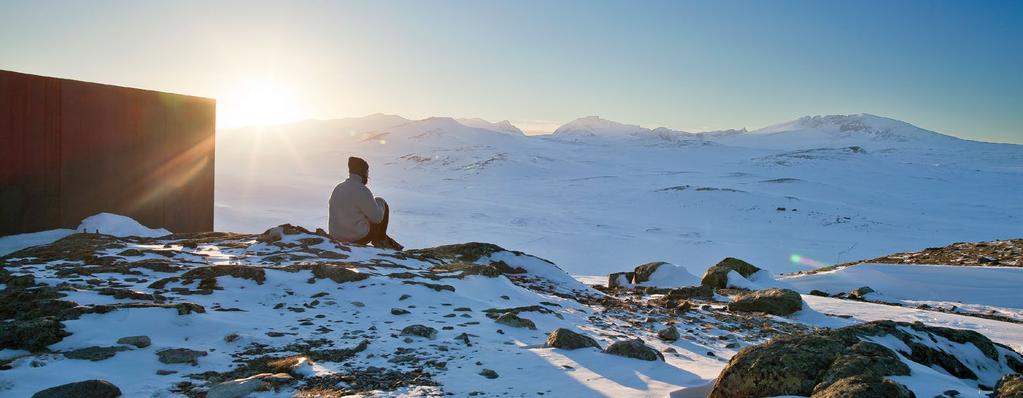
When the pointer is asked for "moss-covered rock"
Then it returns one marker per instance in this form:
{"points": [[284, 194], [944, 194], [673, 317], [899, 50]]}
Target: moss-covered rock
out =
{"points": [[864, 387], [634, 348], [1009, 386], [569, 340], [772, 301]]}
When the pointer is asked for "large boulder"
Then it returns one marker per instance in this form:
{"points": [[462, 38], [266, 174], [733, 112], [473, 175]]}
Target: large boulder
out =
{"points": [[515, 321], [717, 276], [569, 340], [620, 279], [634, 348], [841, 363], [773, 301], [243, 387], [81, 389], [642, 272]]}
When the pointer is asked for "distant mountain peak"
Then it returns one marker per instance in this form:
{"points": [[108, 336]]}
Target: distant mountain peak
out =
{"points": [[862, 125], [503, 126], [595, 126]]}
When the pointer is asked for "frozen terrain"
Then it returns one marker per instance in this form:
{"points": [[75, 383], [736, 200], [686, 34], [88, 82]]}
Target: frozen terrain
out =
{"points": [[333, 319], [598, 196]]}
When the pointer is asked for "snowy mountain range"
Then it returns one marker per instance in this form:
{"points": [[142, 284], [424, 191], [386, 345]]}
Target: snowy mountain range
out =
{"points": [[598, 195]]}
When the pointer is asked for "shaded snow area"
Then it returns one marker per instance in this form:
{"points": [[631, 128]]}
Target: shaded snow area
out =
{"points": [[292, 313], [965, 289], [104, 223]]}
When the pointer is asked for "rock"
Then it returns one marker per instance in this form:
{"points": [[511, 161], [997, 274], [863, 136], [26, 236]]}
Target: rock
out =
{"points": [[94, 353], [717, 276], [488, 373], [337, 273], [569, 340], [165, 372], [231, 337], [819, 293], [466, 252], [669, 333], [419, 330], [620, 279], [634, 348], [642, 272], [32, 335], [690, 292], [772, 301], [81, 389], [399, 311], [404, 297], [243, 387], [513, 320], [180, 355], [1009, 386], [137, 341], [812, 364], [865, 387], [860, 293]]}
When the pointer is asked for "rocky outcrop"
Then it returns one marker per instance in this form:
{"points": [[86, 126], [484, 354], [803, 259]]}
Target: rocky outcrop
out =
{"points": [[860, 293], [467, 252], [717, 276], [81, 389], [634, 348], [137, 341], [515, 321], [1009, 386], [569, 340], [844, 363], [773, 301]]}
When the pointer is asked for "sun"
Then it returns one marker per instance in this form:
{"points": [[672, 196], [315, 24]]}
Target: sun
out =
{"points": [[256, 102]]}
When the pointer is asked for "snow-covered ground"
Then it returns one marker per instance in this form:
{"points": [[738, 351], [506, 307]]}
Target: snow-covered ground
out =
{"points": [[290, 292], [599, 196]]}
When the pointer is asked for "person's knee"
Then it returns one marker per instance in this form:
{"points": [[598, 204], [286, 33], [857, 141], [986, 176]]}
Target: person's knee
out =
{"points": [[381, 202]]}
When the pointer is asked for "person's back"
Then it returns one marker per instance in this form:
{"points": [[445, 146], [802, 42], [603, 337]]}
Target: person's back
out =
{"points": [[354, 214]]}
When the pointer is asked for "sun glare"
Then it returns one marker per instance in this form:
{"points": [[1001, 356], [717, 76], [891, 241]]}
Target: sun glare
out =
{"points": [[258, 102]]}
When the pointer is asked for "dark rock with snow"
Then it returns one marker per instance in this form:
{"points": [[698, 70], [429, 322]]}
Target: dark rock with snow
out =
{"points": [[137, 341], [243, 387], [515, 321], [569, 340], [180, 355], [488, 373], [819, 293], [337, 273], [860, 293], [717, 276], [1009, 386], [642, 272], [94, 353], [833, 363], [669, 333], [419, 330], [620, 279], [634, 348], [81, 389], [399, 311], [773, 301]]}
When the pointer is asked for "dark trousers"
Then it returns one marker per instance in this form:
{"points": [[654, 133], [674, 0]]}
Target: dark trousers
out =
{"points": [[377, 231]]}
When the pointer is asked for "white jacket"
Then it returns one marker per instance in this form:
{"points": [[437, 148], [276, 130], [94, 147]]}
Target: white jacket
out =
{"points": [[352, 208]]}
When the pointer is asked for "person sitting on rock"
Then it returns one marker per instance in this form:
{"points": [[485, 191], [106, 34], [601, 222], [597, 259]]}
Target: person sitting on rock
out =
{"points": [[355, 215]]}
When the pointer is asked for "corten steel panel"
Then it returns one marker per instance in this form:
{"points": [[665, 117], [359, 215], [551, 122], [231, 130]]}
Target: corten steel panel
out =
{"points": [[71, 149], [29, 153]]}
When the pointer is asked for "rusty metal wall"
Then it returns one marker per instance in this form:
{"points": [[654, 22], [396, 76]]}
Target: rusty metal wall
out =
{"points": [[70, 149]]}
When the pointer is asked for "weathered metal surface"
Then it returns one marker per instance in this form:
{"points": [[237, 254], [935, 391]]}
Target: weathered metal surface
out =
{"points": [[70, 149]]}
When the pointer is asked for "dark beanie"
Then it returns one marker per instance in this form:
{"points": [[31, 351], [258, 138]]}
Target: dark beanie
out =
{"points": [[358, 166]]}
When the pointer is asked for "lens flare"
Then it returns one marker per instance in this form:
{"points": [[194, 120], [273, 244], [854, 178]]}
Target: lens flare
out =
{"points": [[797, 259]]}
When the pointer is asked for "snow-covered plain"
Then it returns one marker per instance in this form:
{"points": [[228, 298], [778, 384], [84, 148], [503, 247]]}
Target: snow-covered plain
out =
{"points": [[598, 196]]}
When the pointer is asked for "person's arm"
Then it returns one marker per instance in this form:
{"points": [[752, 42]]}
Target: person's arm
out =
{"points": [[368, 206]]}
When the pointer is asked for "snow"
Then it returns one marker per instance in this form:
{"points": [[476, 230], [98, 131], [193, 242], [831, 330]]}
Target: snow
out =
{"points": [[671, 275], [118, 225], [988, 286], [757, 281], [595, 206], [13, 243]]}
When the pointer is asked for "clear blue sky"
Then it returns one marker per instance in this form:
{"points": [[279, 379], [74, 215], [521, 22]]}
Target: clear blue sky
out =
{"points": [[950, 66]]}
